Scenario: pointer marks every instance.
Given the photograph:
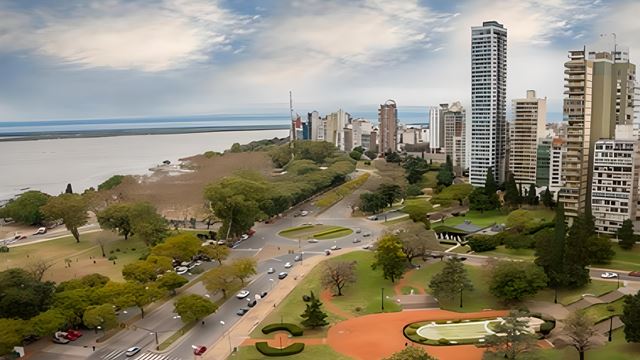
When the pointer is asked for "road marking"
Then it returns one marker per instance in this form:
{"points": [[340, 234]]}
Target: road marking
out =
{"points": [[153, 356], [276, 259], [113, 354]]}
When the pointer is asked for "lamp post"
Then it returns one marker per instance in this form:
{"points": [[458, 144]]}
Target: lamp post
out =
{"points": [[381, 299], [228, 335], [301, 257], [611, 309], [272, 281]]}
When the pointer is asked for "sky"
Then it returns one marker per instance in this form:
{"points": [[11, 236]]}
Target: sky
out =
{"points": [[121, 58]]}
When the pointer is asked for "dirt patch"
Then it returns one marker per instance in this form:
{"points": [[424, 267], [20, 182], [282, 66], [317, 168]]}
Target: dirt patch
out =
{"points": [[365, 337], [326, 297], [181, 196]]}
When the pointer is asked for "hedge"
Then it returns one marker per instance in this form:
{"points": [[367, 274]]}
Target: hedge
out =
{"points": [[480, 243], [546, 327], [297, 228], [267, 350], [293, 329], [330, 231]]}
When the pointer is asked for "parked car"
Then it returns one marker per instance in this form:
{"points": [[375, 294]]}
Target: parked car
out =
{"points": [[181, 270], [356, 240], [271, 270], [243, 294], [297, 258], [367, 246], [635, 273], [287, 265], [40, 231], [367, 234], [282, 275], [358, 230], [252, 303], [327, 252], [19, 237], [244, 237], [221, 242], [251, 232], [304, 213], [73, 334], [199, 350], [242, 311], [263, 294], [608, 275], [312, 241], [373, 217], [132, 351], [335, 247], [58, 340]]}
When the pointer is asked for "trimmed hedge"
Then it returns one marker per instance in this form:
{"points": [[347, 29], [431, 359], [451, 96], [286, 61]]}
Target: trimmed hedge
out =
{"points": [[293, 329], [297, 228], [267, 350], [329, 231], [546, 327]]}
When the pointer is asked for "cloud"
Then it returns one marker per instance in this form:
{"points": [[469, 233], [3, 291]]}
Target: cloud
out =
{"points": [[129, 35]]}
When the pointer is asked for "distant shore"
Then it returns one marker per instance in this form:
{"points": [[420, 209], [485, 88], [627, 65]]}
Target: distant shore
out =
{"points": [[42, 135]]}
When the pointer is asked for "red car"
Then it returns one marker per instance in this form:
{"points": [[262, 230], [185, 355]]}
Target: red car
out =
{"points": [[635, 273], [199, 350], [73, 334]]}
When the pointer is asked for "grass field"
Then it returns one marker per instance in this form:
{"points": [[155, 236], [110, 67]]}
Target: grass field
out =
{"points": [[332, 196], [566, 297], [624, 259], [600, 312], [311, 352], [307, 232], [338, 232], [81, 255], [479, 219], [501, 251], [364, 294], [429, 180], [618, 349]]}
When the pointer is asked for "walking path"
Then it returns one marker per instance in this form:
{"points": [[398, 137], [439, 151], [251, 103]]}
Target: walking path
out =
{"points": [[326, 298], [404, 282]]}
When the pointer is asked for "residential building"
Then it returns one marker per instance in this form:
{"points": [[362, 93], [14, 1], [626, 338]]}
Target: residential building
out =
{"points": [[557, 153], [316, 126], [543, 162], [527, 127], [615, 183], [388, 123], [436, 128], [488, 102], [362, 129], [409, 135], [348, 138], [454, 120], [334, 128]]}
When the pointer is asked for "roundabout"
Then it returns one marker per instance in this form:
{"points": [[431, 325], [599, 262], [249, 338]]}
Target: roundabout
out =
{"points": [[317, 231]]}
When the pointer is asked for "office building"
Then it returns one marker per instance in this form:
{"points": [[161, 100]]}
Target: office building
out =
{"points": [[334, 125], [436, 128], [388, 127], [316, 126], [455, 137], [527, 127], [557, 153], [543, 162], [488, 102], [362, 129]]}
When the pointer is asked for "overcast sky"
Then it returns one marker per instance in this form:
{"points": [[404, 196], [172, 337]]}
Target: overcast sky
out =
{"points": [[118, 58]]}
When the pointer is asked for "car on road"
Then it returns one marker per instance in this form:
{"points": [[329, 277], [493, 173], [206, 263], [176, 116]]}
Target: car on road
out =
{"points": [[282, 275], [635, 273], [312, 241], [244, 237], [367, 234], [287, 265], [356, 240], [608, 275], [73, 334], [304, 213], [335, 247], [19, 237], [40, 231], [243, 294], [373, 217], [327, 252], [263, 294], [181, 270], [297, 258], [252, 303], [199, 350], [367, 246], [242, 311], [59, 340], [271, 270], [132, 351], [358, 230], [221, 242]]}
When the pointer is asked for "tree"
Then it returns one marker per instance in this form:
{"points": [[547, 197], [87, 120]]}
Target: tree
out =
{"points": [[550, 252], [116, 217], [48, 322], [313, 315], [392, 157], [22, 296], [235, 148], [111, 183], [414, 169], [445, 174], [372, 202], [181, 247], [481, 243], [580, 330], [480, 200], [244, 268], [71, 209], [171, 281], [69, 189], [388, 255], [130, 294], [490, 185], [532, 197], [38, 267], [193, 307], [451, 280], [146, 224], [513, 281], [512, 196], [411, 353], [371, 154], [100, 315], [72, 303], [337, 274], [355, 155], [216, 252], [12, 331], [547, 199], [26, 208], [160, 264], [600, 250], [221, 279], [390, 193], [631, 317], [511, 339], [417, 241], [139, 271], [577, 253], [625, 235]]}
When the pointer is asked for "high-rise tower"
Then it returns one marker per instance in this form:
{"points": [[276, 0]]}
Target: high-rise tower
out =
{"points": [[388, 122]]}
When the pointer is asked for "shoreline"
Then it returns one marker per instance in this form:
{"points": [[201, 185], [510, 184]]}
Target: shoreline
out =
{"points": [[42, 135]]}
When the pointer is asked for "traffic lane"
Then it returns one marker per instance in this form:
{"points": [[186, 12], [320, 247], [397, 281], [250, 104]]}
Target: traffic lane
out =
{"points": [[623, 275]]}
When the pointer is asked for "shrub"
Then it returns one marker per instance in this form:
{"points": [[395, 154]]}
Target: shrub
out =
{"points": [[113, 257], [111, 182], [367, 162], [546, 327], [117, 249], [443, 341], [358, 309], [415, 325], [413, 190], [267, 350], [517, 241], [480, 243], [4, 249], [410, 331], [293, 329]]}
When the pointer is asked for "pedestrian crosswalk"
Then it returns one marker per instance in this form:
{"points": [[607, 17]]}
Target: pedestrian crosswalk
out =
{"points": [[148, 355]]}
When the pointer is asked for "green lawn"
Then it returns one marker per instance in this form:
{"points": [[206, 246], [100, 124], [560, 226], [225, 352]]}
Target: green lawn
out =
{"points": [[307, 232], [429, 180], [479, 219], [624, 259], [364, 294], [461, 249], [311, 352], [566, 297], [340, 232], [501, 251], [599, 312], [334, 195], [618, 349], [418, 206]]}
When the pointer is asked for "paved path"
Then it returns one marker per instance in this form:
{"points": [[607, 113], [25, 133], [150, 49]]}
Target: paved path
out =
{"points": [[603, 326], [326, 298]]}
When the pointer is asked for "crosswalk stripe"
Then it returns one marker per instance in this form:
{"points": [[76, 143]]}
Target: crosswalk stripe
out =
{"points": [[113, 354]]}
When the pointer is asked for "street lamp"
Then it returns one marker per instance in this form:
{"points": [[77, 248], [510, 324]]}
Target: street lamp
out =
{"points": [[272, 281], [381, 299], [301, 257], [228, 335]]}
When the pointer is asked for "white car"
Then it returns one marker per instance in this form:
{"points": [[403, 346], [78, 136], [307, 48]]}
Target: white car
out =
{"points": [[373, 217], [242, 294], [609, 275], [132, 351], [244, 237], [312, 241], [221, 242], [304, 213], [367, 247], [181, 270], [335, 247], [287, 265], [271, 270], [358, 230]]}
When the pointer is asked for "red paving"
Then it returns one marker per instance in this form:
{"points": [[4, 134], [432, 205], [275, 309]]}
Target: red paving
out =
{"points": [[405, 282], [377, 336]]}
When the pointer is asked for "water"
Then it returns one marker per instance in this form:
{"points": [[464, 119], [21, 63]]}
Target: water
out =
{"points": [[48, 165]]}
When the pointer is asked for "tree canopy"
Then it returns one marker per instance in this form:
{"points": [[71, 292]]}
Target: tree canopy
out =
{"points": [[181, 247], [70, 208], [631, 317], [26, 208], [22, 296], [338, 274], [451, 281], [625, 235], [313, 315], [389, 257], [513, 281], [411, 353], [193, 307]]}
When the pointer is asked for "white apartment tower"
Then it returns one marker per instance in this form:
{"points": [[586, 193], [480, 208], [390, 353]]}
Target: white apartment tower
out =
{"points": [[556, 154], [488, 101], [455, 136], [435, 128], [528, 125]]}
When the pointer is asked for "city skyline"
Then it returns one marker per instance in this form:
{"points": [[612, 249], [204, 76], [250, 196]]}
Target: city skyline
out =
{"points": [[196, 57]]}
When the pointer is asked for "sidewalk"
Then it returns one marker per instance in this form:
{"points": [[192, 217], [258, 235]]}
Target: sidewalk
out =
{"points": [[241, 330]]}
